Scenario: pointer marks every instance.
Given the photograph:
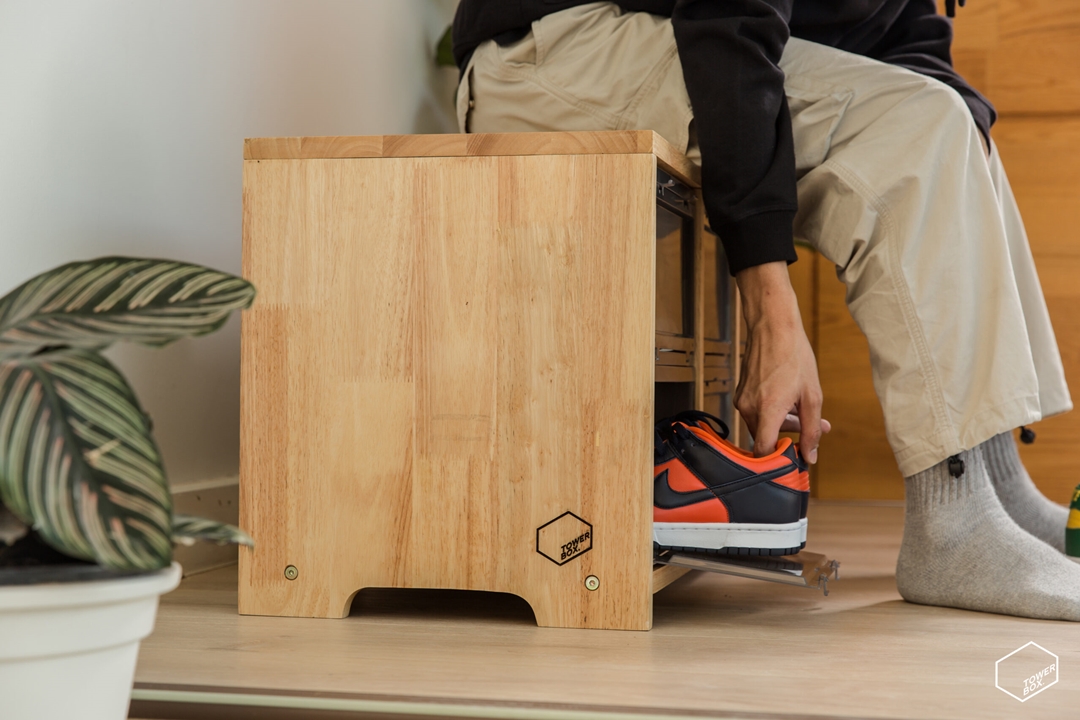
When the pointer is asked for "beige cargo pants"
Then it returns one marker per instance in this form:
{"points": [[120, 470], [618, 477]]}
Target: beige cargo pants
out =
{"points": [[894, 188]]}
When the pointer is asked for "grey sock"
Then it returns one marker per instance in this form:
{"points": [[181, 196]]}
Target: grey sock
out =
{"points": [[1033, 511], [961, 549]]}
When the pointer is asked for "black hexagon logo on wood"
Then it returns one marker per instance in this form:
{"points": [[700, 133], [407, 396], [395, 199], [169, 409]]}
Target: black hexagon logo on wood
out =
{"points": [[564, 538]]}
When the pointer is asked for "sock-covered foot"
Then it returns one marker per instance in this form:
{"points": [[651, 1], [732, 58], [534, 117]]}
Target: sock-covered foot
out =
{"points": [[1033, 511], [961, 549]]}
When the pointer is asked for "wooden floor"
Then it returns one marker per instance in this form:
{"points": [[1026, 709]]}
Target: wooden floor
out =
{"points": [[720, 647]]}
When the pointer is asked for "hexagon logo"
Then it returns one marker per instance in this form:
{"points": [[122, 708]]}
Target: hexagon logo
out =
{"points": [[564, 538], [1026, 671]]}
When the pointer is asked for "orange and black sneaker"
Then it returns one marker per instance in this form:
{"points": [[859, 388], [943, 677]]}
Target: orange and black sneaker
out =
{"points": [[710, 495]]}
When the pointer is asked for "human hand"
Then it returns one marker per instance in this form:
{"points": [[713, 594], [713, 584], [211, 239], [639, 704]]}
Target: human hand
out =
{"points": [[791, 424], [779, 388]]}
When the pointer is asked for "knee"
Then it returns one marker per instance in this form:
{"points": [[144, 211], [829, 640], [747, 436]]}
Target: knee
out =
{"points": [[943, 108]]}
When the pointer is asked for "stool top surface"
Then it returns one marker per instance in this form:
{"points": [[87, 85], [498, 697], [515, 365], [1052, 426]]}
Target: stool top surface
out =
{"points": [[614, 142]]}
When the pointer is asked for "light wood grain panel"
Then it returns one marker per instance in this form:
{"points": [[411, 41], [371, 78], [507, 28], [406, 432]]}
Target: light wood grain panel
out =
{"points": [[477, 145], [976, 26], [346, 146], [577, 262], [342, 369], [1034, 68], [273, 148], [664, 575], [432, 372], [1021, 54], [1041, 154], [975, 37], [455, 502], [674, 161]]}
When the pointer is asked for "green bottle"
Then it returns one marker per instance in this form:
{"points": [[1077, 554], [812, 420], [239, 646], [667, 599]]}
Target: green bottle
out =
{"points": [[1072, 528]]}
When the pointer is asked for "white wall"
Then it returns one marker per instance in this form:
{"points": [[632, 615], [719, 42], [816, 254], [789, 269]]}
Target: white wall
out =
{"points": [[121, 128]]}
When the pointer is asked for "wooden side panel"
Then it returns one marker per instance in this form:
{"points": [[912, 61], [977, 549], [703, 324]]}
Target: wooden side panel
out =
{"points": [[576, 304], [336, 256], [454, 513], [1022, 54], [446, 354]]}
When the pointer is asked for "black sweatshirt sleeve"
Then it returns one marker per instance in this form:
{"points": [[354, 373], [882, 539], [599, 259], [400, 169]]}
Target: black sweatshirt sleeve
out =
{"points": [[730, 52], [920, 40]]}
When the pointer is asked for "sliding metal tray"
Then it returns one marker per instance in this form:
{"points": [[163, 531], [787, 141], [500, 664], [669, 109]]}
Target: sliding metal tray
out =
{"points": [[806, 569]]}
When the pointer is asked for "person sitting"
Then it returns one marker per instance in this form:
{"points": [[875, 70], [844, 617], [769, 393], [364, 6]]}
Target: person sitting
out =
{"points": [[842, 123]]}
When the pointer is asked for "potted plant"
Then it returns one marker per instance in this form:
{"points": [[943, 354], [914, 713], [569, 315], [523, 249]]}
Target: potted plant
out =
{"points": [[86, 521]]}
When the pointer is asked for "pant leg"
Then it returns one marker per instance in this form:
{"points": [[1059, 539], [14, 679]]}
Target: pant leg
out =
{"points": [[904, 204], [894, 188], [1054, 395], [560, 77]]}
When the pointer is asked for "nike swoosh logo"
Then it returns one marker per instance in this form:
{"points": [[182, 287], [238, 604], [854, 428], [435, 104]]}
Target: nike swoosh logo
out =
{"points": [[668, 498], [736, 485]]}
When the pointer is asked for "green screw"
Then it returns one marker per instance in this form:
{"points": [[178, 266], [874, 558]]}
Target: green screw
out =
{"points": [[291, 572], [592, 582]]}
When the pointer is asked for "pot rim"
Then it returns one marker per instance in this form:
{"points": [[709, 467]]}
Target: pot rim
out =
{"points": [[55, 595]]}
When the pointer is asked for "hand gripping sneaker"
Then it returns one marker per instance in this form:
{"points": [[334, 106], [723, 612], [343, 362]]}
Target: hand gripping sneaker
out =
{"points": [[709, 495]]}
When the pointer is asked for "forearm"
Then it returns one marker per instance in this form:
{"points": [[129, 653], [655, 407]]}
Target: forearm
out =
{"points": [[767, 294]]}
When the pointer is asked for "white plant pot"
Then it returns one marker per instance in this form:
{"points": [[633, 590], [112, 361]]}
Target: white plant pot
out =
{"points": [[68, 650]]}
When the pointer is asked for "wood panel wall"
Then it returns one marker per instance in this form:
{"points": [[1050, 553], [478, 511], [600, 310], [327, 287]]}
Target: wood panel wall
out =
{"points": [[1024, 55]]}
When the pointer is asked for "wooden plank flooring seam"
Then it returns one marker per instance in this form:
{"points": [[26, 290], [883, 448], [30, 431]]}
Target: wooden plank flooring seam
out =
{"points": [[363, 703]]}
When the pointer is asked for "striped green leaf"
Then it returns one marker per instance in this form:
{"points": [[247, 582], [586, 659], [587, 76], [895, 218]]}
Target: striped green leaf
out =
{"points": [[187, 530], [78, 461], [11, 527], [95, 303]]}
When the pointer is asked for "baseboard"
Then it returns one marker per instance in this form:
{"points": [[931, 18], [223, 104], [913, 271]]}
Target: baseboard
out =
{"points": [[219, 500]]}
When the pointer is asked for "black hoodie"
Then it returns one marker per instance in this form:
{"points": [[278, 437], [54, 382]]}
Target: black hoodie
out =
{"points": [[741, 114]]}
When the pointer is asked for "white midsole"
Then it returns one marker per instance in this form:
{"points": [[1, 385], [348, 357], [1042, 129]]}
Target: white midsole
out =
{"points": [[714, 536]]}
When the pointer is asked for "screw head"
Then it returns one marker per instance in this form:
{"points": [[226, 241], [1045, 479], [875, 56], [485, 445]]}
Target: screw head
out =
{"points": [[592, 582], [291, 573]]}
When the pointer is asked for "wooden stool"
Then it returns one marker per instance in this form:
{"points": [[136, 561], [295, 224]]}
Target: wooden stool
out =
{"points": [[448, 375]]}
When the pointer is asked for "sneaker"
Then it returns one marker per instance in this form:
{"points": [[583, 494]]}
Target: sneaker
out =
{"points": [[709, 495]]}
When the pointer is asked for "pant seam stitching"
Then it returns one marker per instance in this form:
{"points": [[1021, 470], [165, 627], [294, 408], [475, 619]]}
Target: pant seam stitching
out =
{"points": [[534, 78], [651, 81]]}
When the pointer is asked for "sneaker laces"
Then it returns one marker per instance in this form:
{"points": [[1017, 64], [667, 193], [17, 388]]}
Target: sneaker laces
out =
{"points": [[712, 424]]}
